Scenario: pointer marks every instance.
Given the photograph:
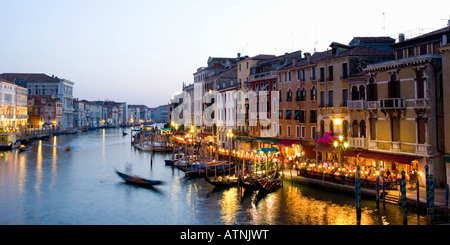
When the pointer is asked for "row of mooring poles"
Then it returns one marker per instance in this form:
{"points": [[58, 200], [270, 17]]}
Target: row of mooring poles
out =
{"points": [[430, 194]]}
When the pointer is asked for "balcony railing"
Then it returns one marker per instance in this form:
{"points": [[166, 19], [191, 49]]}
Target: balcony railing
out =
{"points": [[357, 142], [392, 103], [356, 104], [372, 104], [421, 103], [263, 75]]}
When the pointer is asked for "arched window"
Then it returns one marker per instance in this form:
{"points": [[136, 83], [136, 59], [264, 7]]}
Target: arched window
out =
{"points": [[345, 128], [362, 92], [394, 87], [355, 128], [420, 85], [362, 126], [331, 125], [322, 127], [303, 94], [313, 93], [289, 95], [297, 95], [372, 90], [355, 93]]}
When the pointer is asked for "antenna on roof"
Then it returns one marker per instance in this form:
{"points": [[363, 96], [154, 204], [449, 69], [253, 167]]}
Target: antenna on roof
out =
{"points": [[383, 27], [315, 39], [448, 21]]}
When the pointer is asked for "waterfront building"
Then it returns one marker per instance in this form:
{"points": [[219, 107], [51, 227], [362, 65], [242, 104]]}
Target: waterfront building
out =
{"points": [[218, 77], [138, 114], [336, 69], [265, 79], [161, 114], [226, 106], [298, 108], [244, 68], [13, 106], [110, 113], [189, 116], [79, 114], [42, 84], [93, 114], [445, 50], [405, 103], [45, 111]]}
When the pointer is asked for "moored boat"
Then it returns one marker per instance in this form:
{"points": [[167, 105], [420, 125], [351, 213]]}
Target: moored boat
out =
{"points": [[222, 181], [175, 158], [8, 141], [269, 184], [23, 148]]}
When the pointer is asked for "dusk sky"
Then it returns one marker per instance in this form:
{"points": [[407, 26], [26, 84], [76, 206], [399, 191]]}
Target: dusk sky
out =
{"points": [[141, 52]]}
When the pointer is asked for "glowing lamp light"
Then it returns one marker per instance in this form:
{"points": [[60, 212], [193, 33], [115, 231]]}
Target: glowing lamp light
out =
{"points": [[337, 121]]}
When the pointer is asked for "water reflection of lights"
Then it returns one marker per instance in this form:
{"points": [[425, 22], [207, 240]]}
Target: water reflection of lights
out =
{"points": [[307, 210], [192, 199], [37, 186], [229, 206]]}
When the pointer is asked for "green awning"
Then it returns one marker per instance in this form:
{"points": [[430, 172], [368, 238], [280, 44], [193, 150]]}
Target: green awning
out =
{"points": [[267, 140], [267, 150], [241, 139]]}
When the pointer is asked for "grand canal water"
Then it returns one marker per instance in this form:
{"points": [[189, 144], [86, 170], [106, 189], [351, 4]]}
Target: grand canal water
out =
{"points": [[51, 186]]}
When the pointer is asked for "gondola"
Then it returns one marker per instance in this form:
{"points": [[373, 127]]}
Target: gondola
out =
{"points": [[270, 184], [23, 148], [248, 182], [136, 180], [220, 181]]}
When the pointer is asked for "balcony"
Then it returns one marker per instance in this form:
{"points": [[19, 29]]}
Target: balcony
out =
{"points": [[263, 75], [372, 104], [357, 142], [356, 105], [392, 103]]}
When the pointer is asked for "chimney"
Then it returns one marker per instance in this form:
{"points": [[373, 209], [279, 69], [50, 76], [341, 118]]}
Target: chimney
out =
{"points": [[308, 57], [238, 56], [401, 37]]}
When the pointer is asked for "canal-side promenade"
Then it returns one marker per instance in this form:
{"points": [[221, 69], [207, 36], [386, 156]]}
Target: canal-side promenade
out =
{"points": [[411, 193]]}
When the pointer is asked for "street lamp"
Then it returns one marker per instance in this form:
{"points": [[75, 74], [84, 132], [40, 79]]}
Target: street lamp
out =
{"points": [[230, 135], [341, 145]]}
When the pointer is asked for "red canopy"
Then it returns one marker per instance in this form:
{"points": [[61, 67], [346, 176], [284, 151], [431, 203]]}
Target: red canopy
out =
{"points": [[389, 157], [289, 143]]}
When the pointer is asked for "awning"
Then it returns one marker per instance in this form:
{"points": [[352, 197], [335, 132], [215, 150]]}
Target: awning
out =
{"points": [[289, 143], [352, 153], [323, 148], [267, 140], [405, 159], [267, 150], [242, 139], [204, 134]]}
